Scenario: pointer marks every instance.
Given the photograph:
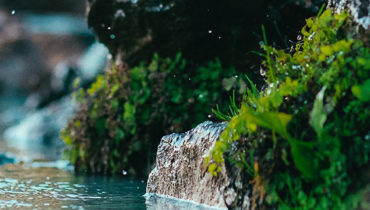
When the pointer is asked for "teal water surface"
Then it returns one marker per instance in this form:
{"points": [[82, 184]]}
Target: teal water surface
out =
{"points": [[52, 188]]}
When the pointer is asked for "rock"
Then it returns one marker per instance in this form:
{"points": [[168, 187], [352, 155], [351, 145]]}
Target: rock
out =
{"points": [[360, 10], [180, 171], [134, 30], [38, 133]]}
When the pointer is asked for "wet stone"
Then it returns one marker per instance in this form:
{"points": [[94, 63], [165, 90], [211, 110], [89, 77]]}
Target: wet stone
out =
{"points": [[180, 171]]}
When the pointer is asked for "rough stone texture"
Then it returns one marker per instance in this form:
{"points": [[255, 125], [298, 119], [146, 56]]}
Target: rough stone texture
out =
{"points": [[180, 172], [360, 10]]}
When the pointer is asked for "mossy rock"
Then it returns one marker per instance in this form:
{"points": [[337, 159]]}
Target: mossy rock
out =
{"points": [[304, 140], [124, 114]]}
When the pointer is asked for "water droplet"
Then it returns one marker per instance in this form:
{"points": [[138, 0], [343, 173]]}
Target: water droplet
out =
{"points": [[209, 116], [209, 31], [138, 188], [161, 6], [124, 173], [367, 137], [102, 25], [47, 178], [262, 72], [109, 28], [189, 78], [219, 37], [109, 56], [236, 76], [174, 75], [112, 36], [13, 12], [261, 43]]}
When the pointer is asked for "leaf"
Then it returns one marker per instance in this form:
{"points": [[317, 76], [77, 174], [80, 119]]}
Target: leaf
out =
{"points": [[362, 92], [276, 121], [303, 156], [253, 86], [318, 114]]}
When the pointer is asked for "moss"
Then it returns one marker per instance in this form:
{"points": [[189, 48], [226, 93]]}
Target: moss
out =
{"points": [[307, 132], [125, 113]]}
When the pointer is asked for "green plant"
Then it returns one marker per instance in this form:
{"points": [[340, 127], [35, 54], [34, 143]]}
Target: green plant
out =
{"points": [[124, 114], [308, 131]]}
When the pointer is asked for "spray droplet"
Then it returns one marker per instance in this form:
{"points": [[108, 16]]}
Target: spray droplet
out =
{"points": [[112, 36], [189, 78], [109, 28], [13, 12], [209, 31], [209, 116], [262, 72], [124, 173], [219, 37]]}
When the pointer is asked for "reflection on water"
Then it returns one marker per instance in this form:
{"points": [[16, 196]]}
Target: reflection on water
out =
{"points": [[51, 188]]}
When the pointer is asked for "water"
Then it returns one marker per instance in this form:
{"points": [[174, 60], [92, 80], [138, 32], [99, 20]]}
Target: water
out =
{"points": [[28, 187]]}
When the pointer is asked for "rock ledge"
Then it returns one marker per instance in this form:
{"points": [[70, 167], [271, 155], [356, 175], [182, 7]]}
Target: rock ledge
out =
{"points": [[180, 172]]}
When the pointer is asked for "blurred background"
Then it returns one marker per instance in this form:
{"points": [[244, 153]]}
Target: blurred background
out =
{"points": [[44, 46]]}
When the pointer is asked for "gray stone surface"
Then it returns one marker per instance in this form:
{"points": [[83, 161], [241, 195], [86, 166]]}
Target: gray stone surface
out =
{"points": [[360, 10], [180, 171]]}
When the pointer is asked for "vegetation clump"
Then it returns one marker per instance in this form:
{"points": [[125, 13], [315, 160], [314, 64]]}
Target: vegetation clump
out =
{"points": [[125, 113], [304, 141]]}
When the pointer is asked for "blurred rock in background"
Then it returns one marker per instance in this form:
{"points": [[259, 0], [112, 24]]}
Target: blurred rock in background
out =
{"points": [[44, 46]]}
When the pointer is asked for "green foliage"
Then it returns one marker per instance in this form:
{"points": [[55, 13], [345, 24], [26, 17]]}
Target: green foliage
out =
{"points": [[124, 114], [308, 131]]}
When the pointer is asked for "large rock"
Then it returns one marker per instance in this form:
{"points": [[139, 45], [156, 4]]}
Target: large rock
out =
{"points": [[180, 171], [134, 29]]}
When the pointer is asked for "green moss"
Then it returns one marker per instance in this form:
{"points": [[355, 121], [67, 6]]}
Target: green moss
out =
{"points": [[125, 113], [308, 130]]}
